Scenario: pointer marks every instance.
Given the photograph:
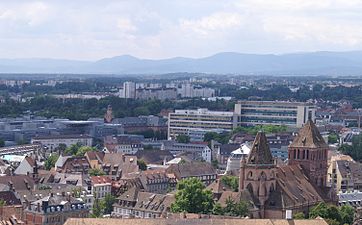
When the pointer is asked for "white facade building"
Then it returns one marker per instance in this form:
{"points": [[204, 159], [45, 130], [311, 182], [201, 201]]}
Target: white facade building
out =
{"points": [[52, 142], [195, 123]]}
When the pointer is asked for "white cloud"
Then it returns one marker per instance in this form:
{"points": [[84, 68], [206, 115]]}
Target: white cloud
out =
{"points": [[215, 22], [90, 29]]}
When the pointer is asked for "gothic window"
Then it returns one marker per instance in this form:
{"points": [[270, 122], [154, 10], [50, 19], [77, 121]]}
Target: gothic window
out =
{"points": [[307, 154], [250, 175], [295, 154]]}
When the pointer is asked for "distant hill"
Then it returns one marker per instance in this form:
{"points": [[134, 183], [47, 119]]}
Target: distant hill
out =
{"points": [[313, 63]]}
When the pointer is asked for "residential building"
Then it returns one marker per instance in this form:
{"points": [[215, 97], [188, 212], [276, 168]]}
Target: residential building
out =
{"points": [[236, 156], [101, 186], [188, 90], [26, 166], [197, 151], [55, 210], [223, 153], [158, 181], [293, 114], [53, 141], [195, 123], [201, 170], [73, 164], [122, 144], [115, 165], [136, 204], [129, 90], [161, 93], [345, 175]]}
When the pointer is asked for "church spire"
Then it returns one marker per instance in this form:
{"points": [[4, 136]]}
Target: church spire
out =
{"points": [[260, 152]]}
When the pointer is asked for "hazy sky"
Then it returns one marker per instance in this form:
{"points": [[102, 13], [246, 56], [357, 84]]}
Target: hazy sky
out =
{"points": [[93, 29]]}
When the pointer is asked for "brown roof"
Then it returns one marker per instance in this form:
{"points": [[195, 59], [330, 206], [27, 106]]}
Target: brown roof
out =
{"points": [[19, 182], [93, 221], [309, 136], [260, 151], [101, 180], [95, 155], [191, 169], [293, 188], [154, 156], [30, 160]]}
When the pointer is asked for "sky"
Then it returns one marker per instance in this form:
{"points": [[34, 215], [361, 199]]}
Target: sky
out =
{"points": [[156, 29]]}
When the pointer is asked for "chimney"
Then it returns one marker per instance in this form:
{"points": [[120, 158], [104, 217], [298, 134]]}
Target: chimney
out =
{"points": [[38, 207], [11, 185]]}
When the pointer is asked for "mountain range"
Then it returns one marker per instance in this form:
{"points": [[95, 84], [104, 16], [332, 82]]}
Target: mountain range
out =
{"points": [[310, 63]]}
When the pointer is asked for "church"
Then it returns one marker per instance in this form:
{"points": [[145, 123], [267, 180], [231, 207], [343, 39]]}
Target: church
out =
{"points": [[298, 186]]}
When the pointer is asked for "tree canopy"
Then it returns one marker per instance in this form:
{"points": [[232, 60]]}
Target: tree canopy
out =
{"points": [[191, 196], [355, 150], [50, 161], [333, 214], [181, 138]]}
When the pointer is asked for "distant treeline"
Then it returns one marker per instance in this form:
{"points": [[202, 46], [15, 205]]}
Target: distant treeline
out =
{"points": [[82, 109]]}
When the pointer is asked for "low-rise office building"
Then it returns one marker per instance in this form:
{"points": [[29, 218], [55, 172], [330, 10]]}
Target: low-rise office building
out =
{"points": [[195, 123], [53, 141], [293, 114]]}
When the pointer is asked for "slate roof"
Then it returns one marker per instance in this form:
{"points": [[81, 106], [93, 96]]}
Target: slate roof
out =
{"points": [[260, 152], [309, 137]]}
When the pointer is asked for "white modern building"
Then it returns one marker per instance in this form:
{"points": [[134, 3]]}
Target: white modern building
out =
{"points": [[53, 141], [195, 123], [293, 114]]}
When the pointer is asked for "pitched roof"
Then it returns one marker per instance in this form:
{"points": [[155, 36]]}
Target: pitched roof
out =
{"points": [[154, 156], [191, 169], [101, 180], [293, 188], [19, 182], [97, 221], [260, 151], [309, 136]]}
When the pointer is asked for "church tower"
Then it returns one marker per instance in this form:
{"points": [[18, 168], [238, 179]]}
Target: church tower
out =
{"points": [[257, 172], [310, 151], [108, 117]]}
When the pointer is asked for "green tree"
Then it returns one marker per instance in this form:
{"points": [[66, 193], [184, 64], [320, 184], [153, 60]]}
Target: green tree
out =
{"points": [[299, 216], [347, 214], [77, 192], [2, 202], [141, 164], [96, 172], [183, 138], [50, 162], [217, 209], [191, 196], [107, 203], [332, 138], [73, 149], [231, 181], [215, 163], [97, 210], [319, 210], [235, 208], [2, 143], [82, 150]]}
